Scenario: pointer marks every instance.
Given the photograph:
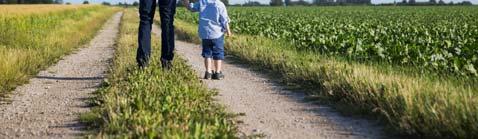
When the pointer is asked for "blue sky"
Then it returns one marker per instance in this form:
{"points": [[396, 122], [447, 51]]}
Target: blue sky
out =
{"points": [[242, 1]]}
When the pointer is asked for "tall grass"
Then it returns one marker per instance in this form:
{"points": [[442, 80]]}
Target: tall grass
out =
{"points": [[408, 104], [31, 41], [25, 9], [153, 103]]}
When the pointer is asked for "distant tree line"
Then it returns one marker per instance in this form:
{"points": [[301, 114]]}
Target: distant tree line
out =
{"points": [[31, 1], [429, 3], [319, 2], [351, 2], [106, 3], [126, 5], [253, 3]]}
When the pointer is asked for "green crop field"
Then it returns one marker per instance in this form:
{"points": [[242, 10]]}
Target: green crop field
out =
{"points": [[440, 39], [412, 67]]}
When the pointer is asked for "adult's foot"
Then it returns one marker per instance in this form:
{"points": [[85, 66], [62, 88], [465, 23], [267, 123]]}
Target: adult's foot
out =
{"points": [[166, 64]]}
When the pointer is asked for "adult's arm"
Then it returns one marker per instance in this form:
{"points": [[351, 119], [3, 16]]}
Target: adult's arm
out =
{"points": [[193, 7]]}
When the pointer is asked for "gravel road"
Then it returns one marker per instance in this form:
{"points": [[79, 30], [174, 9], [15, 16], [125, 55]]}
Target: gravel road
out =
{"points": [[49, 105], [270, 110]]}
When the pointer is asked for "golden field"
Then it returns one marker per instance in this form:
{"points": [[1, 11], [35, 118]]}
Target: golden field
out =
{"points": [[36, 36]]}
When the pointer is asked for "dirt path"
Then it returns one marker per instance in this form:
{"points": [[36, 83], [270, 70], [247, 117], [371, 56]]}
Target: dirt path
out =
{"points": [[48, 107], [270, 109]]}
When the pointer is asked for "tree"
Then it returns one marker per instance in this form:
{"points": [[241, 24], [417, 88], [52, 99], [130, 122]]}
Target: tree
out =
{"points": [[59, 1], [433, 1], [404, 1], [44, 1], [106, 3], [411, 2], [86, 2], [252, 3], [135, 3], [287, 2], [466, 3], [300, 2], [441, 2], [68, 3], [276, 3], [320, 2], [226, 2]]}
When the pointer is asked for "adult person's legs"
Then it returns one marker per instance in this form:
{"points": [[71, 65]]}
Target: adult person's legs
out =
{"points": [[146, 14], [167, 9]]}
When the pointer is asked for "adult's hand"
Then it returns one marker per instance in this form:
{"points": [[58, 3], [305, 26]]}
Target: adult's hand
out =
{"points": [[186, 3]]}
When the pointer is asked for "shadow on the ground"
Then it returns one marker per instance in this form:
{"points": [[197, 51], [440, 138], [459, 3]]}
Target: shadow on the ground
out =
{"points": [[304, 95], [70, 78]]}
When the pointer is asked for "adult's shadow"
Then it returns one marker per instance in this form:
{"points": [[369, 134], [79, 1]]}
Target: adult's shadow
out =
{"points": [[70, 78]]}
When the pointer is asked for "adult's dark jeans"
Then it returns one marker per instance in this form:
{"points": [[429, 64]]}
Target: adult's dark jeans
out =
{"points": [[167, 9]]}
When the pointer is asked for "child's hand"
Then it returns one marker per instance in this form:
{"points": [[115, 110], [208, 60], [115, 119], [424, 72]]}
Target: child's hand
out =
{"points": [[228, 30], [228, 33]]}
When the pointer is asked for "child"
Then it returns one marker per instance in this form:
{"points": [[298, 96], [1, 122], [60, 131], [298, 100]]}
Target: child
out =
{"points": [[213, 23]]}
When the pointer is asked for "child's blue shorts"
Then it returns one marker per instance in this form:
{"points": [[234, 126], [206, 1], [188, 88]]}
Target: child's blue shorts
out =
{"points": [[213, 48]]}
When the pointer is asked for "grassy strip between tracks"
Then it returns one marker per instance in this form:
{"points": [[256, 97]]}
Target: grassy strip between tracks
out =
{"points": [[31, 42], [408, 105], [154, 103]]}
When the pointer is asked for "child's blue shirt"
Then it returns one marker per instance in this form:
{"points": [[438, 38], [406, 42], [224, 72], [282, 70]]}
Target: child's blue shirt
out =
{"points": [[213, 18]]}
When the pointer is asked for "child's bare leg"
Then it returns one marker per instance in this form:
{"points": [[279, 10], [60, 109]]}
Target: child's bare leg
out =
{"points": [[207, 64], [218, 64]]}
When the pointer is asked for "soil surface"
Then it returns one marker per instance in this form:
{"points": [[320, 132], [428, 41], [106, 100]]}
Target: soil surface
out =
{"points": [[50, 104], [270, 110]]}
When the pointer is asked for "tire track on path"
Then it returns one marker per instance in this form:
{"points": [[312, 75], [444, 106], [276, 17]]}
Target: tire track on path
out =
{"points": [[49, 105], [272, 110]]}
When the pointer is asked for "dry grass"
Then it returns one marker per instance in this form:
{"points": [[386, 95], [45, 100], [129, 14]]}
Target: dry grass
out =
{"points": [[33, 42], [16, 10]]}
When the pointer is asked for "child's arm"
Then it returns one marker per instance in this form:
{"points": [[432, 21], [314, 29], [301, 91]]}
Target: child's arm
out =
{"points": [[224, 19], [228, 30]]}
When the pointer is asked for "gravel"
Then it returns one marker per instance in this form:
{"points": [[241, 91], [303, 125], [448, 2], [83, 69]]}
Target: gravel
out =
{"points": [[269, 110]]}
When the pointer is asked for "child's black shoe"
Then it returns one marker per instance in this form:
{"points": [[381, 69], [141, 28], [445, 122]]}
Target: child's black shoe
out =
{"points": [[207, 75], [217, 76]]}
